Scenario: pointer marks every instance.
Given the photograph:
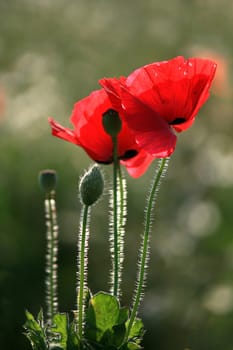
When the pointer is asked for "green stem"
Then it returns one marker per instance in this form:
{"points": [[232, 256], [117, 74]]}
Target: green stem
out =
{"points": [[115, 220], [144, 251], [122, 210], [51, 256], [123, 193], [82, 273]]}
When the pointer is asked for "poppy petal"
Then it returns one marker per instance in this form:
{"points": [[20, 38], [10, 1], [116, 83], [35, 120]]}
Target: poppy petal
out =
{"points": [[63, 133], [89, 133], [138, 165], [153, 133], [174, 89], [113, 88], [93, 105]]}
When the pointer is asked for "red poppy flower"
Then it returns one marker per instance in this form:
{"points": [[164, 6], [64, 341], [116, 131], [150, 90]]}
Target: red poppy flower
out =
{"points": [[89, 134], [161, 98]]}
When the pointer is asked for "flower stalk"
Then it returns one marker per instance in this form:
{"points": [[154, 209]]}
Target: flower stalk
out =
{"points": [[122, 211], [116, 269], [47, 179], [144, 249], [118, 209], [90, 189], [82, 267], [112, 125]]}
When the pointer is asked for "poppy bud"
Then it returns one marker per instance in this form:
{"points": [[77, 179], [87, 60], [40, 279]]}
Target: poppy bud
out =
{"points": [[91, 185], [48, 180], [112, 122]]}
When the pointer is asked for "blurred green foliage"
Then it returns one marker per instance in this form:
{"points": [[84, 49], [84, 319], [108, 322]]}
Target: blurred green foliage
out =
{"points": [[52, 53]]}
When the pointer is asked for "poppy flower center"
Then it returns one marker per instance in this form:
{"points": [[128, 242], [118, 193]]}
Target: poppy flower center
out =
{"points": [[130, 153], [177, 121], [106, 162]]}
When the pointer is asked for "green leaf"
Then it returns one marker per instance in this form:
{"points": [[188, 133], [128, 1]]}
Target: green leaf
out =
{"points": [[137, 330], [35, 331], [135, 336], [118, 335], [40, 318], [73, 342], [131, 346], [123, 315], [60, 330], [103, 311], [105, 321]]}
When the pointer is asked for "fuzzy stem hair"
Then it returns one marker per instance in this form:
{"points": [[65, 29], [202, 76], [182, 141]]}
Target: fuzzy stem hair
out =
{"points": [[51, 256], [82, 262], [117, 223], [144, 247]]}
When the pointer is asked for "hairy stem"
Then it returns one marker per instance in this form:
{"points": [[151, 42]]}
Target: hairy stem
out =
{"points": [[115, 223], [51, 256], [122, 211], [123, 198], [144, 249], [82, 267]]}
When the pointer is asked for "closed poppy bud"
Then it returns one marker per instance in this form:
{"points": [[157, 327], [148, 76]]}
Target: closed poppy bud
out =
{"points": [[48, 180], [111, 122], [91, 186]]}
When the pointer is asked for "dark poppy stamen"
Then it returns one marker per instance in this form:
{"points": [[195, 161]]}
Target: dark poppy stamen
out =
{"points": [[177, 121], [106, 162], [130, 153]]}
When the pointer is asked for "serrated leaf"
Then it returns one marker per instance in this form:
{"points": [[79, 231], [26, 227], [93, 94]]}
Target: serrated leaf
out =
{"points": [[60, 330], [137, 330], [35, 332], [132, 346], [40, 318]]}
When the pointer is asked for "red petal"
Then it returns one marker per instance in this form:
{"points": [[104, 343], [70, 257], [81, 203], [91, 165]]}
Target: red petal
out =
{"points": [[113, 88], [89, 132], [138, 165], [63, 133], [87, 120], [90, 108], [152, 132], [173, 89], [159, 143]]}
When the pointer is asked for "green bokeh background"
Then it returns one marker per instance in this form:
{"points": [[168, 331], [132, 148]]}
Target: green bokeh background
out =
{"points": [[52, 53]]}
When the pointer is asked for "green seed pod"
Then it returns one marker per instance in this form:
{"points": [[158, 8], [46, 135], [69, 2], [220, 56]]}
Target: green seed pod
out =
{"points": [[111, 122], [48, 180], [91, 185]]}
